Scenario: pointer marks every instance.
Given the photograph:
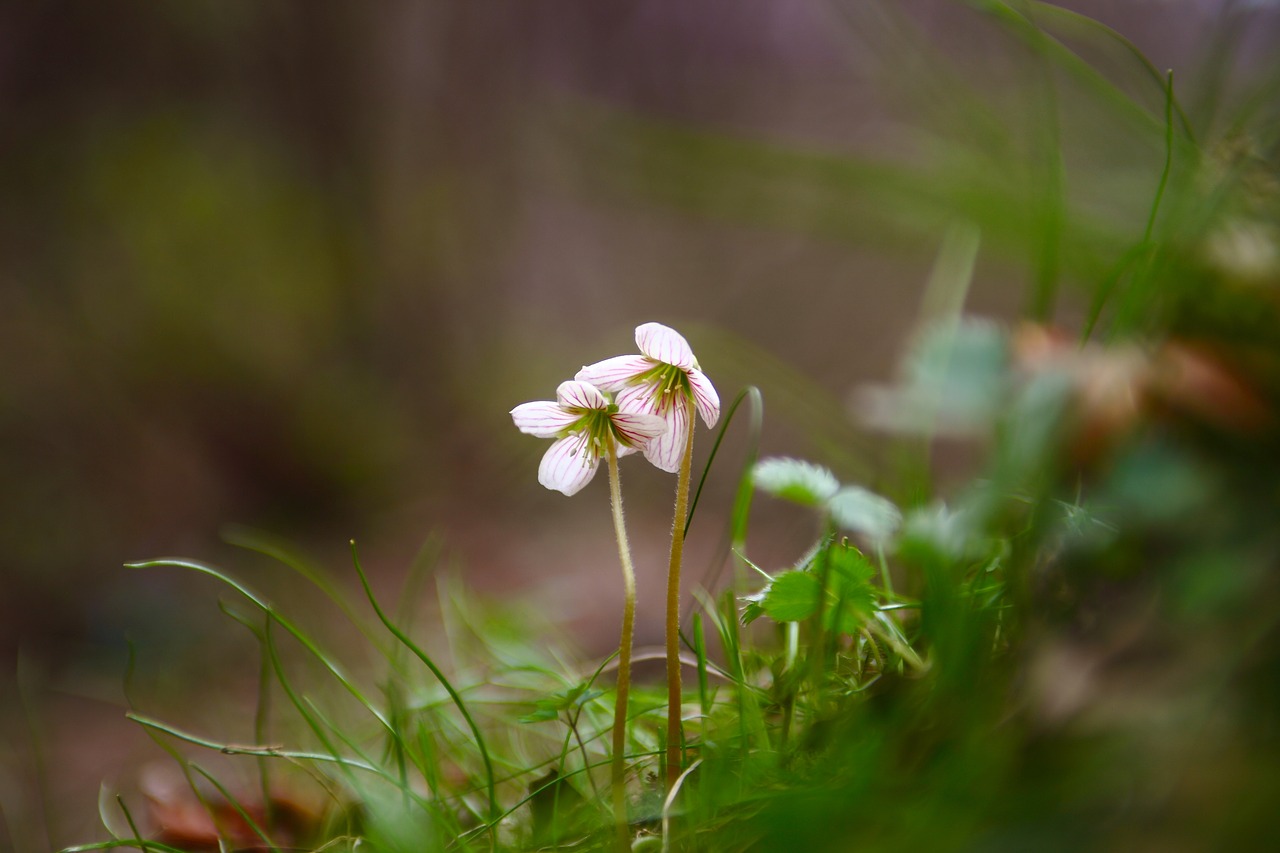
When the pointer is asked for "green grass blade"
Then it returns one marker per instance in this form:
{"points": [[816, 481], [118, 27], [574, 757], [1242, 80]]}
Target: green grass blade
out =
{"points": [[104, 815], [268, 649], [700, 649], [133, 826], [261, 729], [1024, 27], [753, 394], [276, 616], [245, 749], [261, 706], [1169, 159], [399, 782], [268, 546], [1051, 12], [1052, 196], [1137, 297], [724, 619], [235, 804], [493, 824], [423, 564], [435, 670], [734, 541], [1108, 286], [739, 516]]}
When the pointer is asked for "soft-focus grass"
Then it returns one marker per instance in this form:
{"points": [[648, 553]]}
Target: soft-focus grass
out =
{"points": [[1076, 648]]}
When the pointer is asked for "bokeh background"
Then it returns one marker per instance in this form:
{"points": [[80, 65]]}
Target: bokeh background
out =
{"points": [[288, 265]]}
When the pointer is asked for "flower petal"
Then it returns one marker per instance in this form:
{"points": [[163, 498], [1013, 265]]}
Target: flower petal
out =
{"points": [[613, 374], [664, 344], [580, 395], [666, 450], [637, 429], [568, 464], [705, 397], [543, 419], [643, 399]]}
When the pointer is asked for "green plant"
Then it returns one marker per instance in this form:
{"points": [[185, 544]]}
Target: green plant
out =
{"points": [[1071, 643]]}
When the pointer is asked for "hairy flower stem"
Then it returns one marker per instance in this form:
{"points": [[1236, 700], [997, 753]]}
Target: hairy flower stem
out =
{"points": [[619, 787], [675, 739]]}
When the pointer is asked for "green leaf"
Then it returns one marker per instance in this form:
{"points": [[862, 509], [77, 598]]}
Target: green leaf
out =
{"points": [[852, 597], [792, 597], [795, 480], [544, 711], [860, 511], [849, 566], [551, 707]]}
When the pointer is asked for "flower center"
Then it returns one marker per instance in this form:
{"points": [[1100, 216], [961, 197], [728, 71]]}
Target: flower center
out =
{"points": [[597, 424], [669, 384]]}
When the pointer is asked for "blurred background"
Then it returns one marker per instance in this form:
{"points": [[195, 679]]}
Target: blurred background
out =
{"points": [[289, 265]]}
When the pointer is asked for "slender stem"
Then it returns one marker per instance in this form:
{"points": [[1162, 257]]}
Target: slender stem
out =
{"points": [[586, 757], [624, 657], [885, 577], [675, 740]]}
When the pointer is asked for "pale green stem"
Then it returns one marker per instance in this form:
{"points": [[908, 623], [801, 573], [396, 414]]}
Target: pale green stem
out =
{"points": [[675, 740], [624, 657], [885, 577]]}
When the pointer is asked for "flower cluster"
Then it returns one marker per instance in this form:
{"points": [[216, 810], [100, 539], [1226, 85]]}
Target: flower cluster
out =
{"points": [[649, 411]]}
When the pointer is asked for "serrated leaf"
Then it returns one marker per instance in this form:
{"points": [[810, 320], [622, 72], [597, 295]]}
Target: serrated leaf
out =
{"points": [[858, 510], [792, 597], [854, 598], [795, 480], [849, 566]]}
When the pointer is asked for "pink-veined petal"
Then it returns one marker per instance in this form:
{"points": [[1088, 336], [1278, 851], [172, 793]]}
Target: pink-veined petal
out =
{"points": [[543, 419], [664, 344], [638, 429], [644, 399], [623, 450], [580, 395], [568, 464], [612, 374], [666, 450], [705, 397]]}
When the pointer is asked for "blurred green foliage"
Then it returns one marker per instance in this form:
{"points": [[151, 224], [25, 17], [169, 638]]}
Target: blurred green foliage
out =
{"points": [[290, 264]]}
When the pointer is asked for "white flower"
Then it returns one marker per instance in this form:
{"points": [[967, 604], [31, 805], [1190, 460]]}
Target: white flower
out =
{"points": [[659, 382], [584, 423]]}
